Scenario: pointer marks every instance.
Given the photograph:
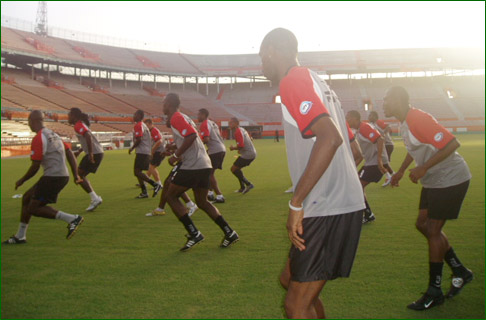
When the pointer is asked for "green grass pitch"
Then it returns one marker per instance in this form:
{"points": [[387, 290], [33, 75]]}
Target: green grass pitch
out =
{"points": [[122, 264]]}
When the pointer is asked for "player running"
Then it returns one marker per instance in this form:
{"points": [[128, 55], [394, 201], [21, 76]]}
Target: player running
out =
{"points": [[193, 171], [372, 145], [93, 153], [48, 151], [445, 179], [324, 221], [142, 160], [157, 152], [384, 131], [211, 136], [247, 152]]}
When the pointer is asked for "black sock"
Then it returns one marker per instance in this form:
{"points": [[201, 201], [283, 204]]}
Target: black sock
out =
{"points": [[239, 174], [143, 187], [152, 183], [189, 225], [223, 225], [242, 177], [367, 210], [435, 274], [454, 262]]}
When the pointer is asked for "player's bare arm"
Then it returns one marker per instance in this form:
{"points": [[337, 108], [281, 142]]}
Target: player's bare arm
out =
{"points": [[34, 167], [420, 171], [73, 164], [156, 146], [188, 141], [138, 140], [78, 152], [357, 154], [399, 174], [380, 145], [89, 142], [205, 140], [328, 140]]}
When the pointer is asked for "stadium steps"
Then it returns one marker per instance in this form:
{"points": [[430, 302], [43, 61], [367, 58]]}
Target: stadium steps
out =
{"points": [[39, 97], [236, 114], [85, 101], [125, 102], [191, 63], [15, 104]]}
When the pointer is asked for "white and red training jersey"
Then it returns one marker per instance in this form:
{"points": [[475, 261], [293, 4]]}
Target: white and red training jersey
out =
{"points": [[243, 140], [195, 157], [157, 136], [81, 130], [210, 129], [380, 125], [140, 130], [424, 137], [367, 136], [48, 148], [305, 99]]}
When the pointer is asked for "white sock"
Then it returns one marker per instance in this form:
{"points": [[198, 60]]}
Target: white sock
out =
{"points": [[65, 216], [22, 231], [159, 209], [388, 175], [211, 193], [159, 182], [219, 196], [190, 204], [93, 195]]}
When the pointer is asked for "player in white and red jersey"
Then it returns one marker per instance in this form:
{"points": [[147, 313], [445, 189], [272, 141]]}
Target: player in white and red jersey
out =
{"points": [[372, 146], [93, 150], [157, 151], [247, 152], [384, 130], [193, 170], [50, 152], [445, 179], [142, 145], [324, 221], [211, 136]]}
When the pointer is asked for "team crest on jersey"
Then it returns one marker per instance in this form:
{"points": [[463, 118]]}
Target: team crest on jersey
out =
{"points": [[438, 137], [372, 135], [184, 132], [305, 107]]}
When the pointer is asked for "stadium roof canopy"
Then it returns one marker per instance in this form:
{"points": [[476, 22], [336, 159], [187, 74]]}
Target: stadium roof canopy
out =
{"points": [[23, 48]]}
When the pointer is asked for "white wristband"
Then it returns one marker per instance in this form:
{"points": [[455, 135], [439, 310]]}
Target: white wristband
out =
{"points": [[295, 208]]}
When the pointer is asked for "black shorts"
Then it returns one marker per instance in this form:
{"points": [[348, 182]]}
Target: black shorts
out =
{"points": [[241, 163], [443, 203], [217, 160], [370, 173], [157, 159], [89, 167], [47, 188], [191, 178], [142, 161], [389, 150], [331, 244]]}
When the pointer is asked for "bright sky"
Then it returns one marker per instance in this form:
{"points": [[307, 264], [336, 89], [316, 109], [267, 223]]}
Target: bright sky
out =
{"points": [[239, 27]]}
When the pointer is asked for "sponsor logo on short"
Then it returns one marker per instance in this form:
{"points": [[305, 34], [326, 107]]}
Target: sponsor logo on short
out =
{"points": [[305, 107], [438, 137]]}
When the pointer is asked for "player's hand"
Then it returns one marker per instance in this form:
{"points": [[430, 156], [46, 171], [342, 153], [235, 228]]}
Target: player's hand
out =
{"points": [[232, 148], [417, 173], [381, 167], [173, 160], [397, 176], [19, 183], [78, 179], [295, 229], [91, 158], [130, 151]]}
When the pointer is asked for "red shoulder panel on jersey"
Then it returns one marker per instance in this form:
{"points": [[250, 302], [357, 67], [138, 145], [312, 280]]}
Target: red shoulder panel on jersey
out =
{"points": [[138, 129], [178, 122], [350, 133], [301, 100], [204, 128], [380, 123], [367, 131], [240, 142], [81, 128], [155, 133], [427, 130], [36, 147]]}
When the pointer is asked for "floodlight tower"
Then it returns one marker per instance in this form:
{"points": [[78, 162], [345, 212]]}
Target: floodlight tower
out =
{"points": [[41, 19]]}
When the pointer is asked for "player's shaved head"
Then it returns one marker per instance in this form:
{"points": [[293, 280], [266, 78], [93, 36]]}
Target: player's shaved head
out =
{"points": [[399, 94], [396, 103], [171, 103], [283, 41], [373, 116], [138, 115], [354, 115], [148, 121], [36, 120]]}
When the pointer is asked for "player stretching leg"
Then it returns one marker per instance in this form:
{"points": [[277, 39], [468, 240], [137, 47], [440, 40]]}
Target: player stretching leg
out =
{"points": [[445, 179], [50, 152], [247, 152], [193, 172]]}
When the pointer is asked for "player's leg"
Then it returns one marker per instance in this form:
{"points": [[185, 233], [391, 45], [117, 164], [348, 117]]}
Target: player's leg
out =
{"points": [[301, 299], [96, 200], [285, 277], [215, 187], [155, 173], [142, 163], [191, 206], [368, 215], [21, 235], [239, 175]]}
